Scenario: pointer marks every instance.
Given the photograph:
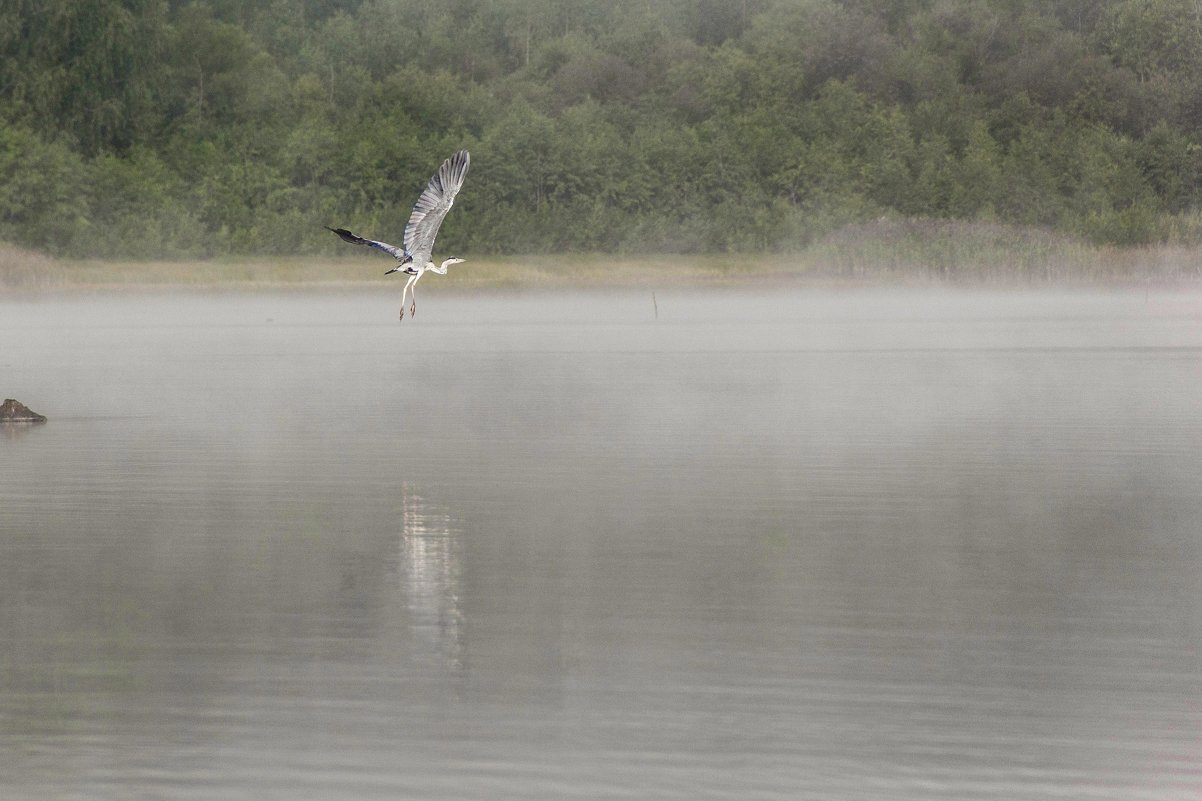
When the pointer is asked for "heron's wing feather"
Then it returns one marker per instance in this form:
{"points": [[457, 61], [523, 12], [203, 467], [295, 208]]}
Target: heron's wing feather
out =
{"points": [[347, 236], [434, 204]]}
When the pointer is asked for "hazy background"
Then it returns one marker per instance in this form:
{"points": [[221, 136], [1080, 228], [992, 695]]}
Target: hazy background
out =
{"points": [[707, 543], [156, 128]]}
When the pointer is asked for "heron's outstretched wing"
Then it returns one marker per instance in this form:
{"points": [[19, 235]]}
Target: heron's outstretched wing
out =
{"points": [[433, 205], [347, 236]]}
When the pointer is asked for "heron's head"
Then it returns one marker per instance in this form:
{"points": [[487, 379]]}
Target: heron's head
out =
{"points": [[454, 260]]}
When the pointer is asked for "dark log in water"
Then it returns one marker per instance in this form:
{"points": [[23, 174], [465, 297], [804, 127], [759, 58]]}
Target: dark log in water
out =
{"points": [[16, 412]]}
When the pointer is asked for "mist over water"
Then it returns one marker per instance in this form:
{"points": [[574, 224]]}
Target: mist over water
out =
{"points": [[905, 545]]}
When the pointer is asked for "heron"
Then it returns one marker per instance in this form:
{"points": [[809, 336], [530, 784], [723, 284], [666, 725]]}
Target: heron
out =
{"points": [[413, 258]]}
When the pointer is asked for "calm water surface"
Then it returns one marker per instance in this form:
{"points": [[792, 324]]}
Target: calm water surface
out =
{"points": [[789, 545]]}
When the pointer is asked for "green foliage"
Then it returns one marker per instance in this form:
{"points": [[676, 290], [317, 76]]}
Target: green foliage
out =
{"points": [[184, 128], [41, 202]]}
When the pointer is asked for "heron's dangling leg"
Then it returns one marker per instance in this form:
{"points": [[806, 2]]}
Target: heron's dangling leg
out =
{"points": [[413, 296], [405, 291]]}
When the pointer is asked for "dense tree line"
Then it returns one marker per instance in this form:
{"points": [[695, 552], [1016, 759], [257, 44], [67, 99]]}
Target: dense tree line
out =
{"points": [[166, 128]]}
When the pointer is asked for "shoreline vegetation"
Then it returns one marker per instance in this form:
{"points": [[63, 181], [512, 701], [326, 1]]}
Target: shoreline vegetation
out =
{"points": [[888, 252], [236, 130]]}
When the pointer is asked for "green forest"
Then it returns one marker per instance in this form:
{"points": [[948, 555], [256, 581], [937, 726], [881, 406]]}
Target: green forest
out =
{"points": [[163, 129]]}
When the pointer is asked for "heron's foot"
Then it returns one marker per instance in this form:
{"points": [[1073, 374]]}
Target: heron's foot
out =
{"points": [[402, 313], [413, 310]]}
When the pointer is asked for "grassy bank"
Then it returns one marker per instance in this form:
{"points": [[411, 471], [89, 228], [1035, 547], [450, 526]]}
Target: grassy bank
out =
{"points": [[885, 251]]}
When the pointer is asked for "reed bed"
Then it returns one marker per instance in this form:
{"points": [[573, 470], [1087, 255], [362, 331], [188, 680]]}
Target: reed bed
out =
{"points": [[883, 251]]}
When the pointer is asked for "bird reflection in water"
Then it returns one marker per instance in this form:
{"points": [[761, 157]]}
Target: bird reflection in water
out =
{"points": [[431, 567]]}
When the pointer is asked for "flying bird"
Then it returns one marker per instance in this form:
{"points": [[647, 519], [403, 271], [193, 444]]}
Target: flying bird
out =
{"points": [[413, 257]]}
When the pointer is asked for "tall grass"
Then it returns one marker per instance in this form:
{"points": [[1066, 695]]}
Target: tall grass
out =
{"points": [[26, 269], [962, 252], [887, 251]]}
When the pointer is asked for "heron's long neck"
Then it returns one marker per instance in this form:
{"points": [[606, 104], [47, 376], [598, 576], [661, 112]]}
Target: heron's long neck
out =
{"points": [[441, 269]]}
